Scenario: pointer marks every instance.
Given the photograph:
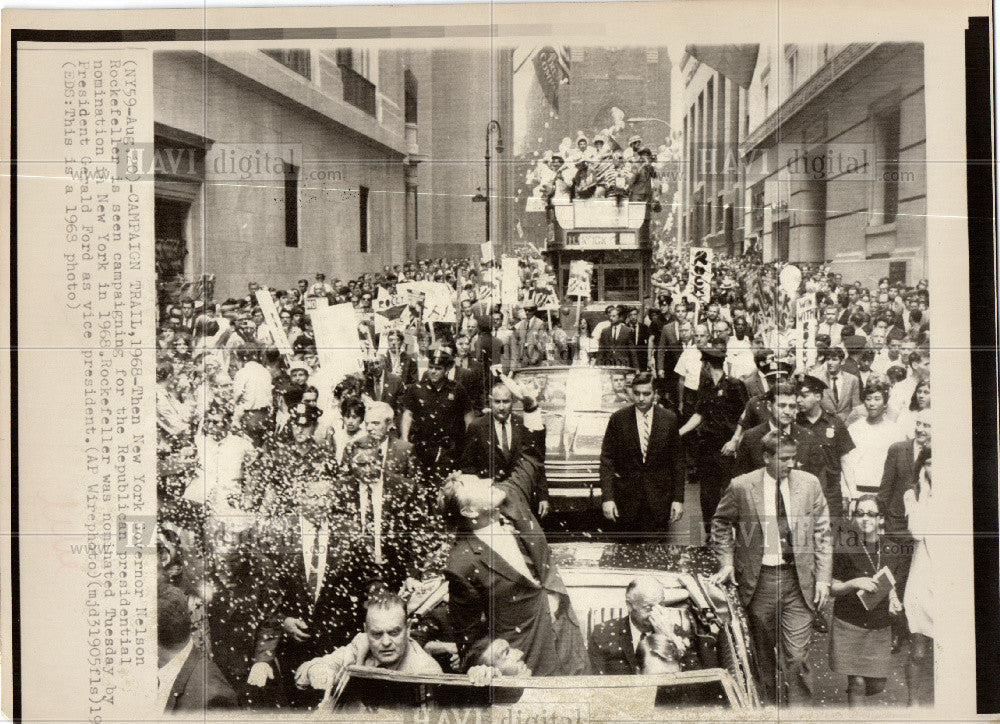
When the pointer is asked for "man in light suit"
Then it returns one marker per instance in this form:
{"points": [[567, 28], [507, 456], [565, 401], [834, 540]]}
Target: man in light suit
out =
{"points": [[781, 558], [843, 389], [642, 465]]}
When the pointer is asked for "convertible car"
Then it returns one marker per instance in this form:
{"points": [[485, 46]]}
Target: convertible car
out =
{"points": [[596, 574]]}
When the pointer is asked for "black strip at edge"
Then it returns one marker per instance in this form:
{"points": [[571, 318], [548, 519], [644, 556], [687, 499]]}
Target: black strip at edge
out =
{"points": [[15, 527], [983, 340]]}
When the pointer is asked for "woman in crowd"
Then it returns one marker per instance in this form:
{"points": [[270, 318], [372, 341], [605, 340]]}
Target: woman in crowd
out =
{"points": [[920, 400], [918, 599], [583, 347], [860, 635]]}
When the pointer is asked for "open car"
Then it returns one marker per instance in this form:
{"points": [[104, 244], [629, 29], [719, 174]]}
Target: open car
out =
{"points": [[576, 403], [595, 575]]}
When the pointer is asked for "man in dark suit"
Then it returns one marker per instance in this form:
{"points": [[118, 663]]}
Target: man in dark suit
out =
{"points": [[667, 348], [614, 644], [502, 582], [898, 475], [399, 530], [613, 344], [638, 341], [307, 564], [771, 533], [642, 465], [383, 385], [399, 361], [750, 453], [187, 680], [495, 443]]}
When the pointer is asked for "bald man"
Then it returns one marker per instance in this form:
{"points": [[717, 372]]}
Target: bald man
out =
{"points": [[613, 644]]}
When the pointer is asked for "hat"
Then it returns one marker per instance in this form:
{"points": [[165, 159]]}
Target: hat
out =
{"points": [[580, 136], [812, 384], [646, 150], [298, 365], [634, 139], [440, 357], [777, 368], [547, 156], [529, 304], [303, 414]]}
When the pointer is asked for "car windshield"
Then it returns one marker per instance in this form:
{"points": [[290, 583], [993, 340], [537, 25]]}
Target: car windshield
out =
{"points": [[650, 697], [578, 389]]}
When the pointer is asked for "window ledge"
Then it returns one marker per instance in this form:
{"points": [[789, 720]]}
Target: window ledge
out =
{"points": [[878, 229]]}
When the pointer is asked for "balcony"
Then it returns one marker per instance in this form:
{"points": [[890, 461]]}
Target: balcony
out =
{"points": [[599, 214], [358, 90]]}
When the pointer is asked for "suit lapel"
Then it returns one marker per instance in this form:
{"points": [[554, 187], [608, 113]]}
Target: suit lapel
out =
{"points": [[180, 683], [494, 561], [632, 428], [757, 498], [628, 645]]}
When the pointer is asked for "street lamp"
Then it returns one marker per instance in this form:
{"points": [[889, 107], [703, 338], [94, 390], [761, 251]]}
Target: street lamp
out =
{"points": [[492, 126], [648, 120]]}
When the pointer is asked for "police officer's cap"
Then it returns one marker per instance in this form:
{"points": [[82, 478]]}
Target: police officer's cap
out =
{"points": [[774, 369], [715, 349], [812, 384]]}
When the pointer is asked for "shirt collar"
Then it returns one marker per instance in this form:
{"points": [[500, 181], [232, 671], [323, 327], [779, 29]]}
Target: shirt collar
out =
{"points": [[636, 633], [169, 671]]}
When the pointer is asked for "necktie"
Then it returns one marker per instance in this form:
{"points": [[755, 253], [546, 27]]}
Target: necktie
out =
{"points": [[314, 563], [644, 435], [504, 440], [833, 388], [784, 529]]}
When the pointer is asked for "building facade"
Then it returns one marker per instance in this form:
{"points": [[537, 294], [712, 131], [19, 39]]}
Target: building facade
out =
{"points": [[272, 166], [834, 158], [712, 196]]}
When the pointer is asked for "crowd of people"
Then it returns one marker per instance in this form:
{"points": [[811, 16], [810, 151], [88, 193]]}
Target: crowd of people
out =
{"points": [[297, 510], [598, 168]]}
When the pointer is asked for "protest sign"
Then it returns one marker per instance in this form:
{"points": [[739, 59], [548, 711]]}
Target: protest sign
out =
{"points": [[338, 343], [486, 249], [700, 273], [580, 274], [316, 303], [510, 281], [273, 322]]}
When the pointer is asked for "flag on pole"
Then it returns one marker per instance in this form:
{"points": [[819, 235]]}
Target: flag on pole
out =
{"points": [[552, 70]]}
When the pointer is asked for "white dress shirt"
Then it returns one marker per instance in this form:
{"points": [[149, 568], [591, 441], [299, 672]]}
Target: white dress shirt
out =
{"points": [[252, 387], [636, 634], [864, 465], [689, 367], [309, 538], [772, 537], [640, 418], [167, 675]]}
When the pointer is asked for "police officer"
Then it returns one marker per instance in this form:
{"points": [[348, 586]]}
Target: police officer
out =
{"points": [[436, 412], [831, 434], [720, 403]]}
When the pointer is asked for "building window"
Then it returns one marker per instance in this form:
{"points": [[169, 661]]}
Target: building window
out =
{"points": [[296, 60], [363, 215], [291, 206], [885, 201], [757, 207], [409, 96], [765, 83], [355, 69], [792, 62]]}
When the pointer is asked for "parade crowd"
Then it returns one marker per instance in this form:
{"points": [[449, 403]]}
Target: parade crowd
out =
{"points": [[393, 517]]}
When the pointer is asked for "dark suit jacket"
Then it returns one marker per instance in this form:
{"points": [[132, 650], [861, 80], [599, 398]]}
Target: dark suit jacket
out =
{"points": [[612, 650], [200, 685], [614, 352], [470, 379], [742, 508], [482, 454], [478, 579], [753, 384], [642, 489], [667, 348], [897, 478], [278, 568], [638, 346], [391, 385], [408, 368]]}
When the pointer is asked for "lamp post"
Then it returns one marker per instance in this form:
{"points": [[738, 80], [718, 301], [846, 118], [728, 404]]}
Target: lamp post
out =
{"points": [[491, 127]]}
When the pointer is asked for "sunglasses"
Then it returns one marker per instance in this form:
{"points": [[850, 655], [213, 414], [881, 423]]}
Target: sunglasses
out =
{"points": [[869, 514]]}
